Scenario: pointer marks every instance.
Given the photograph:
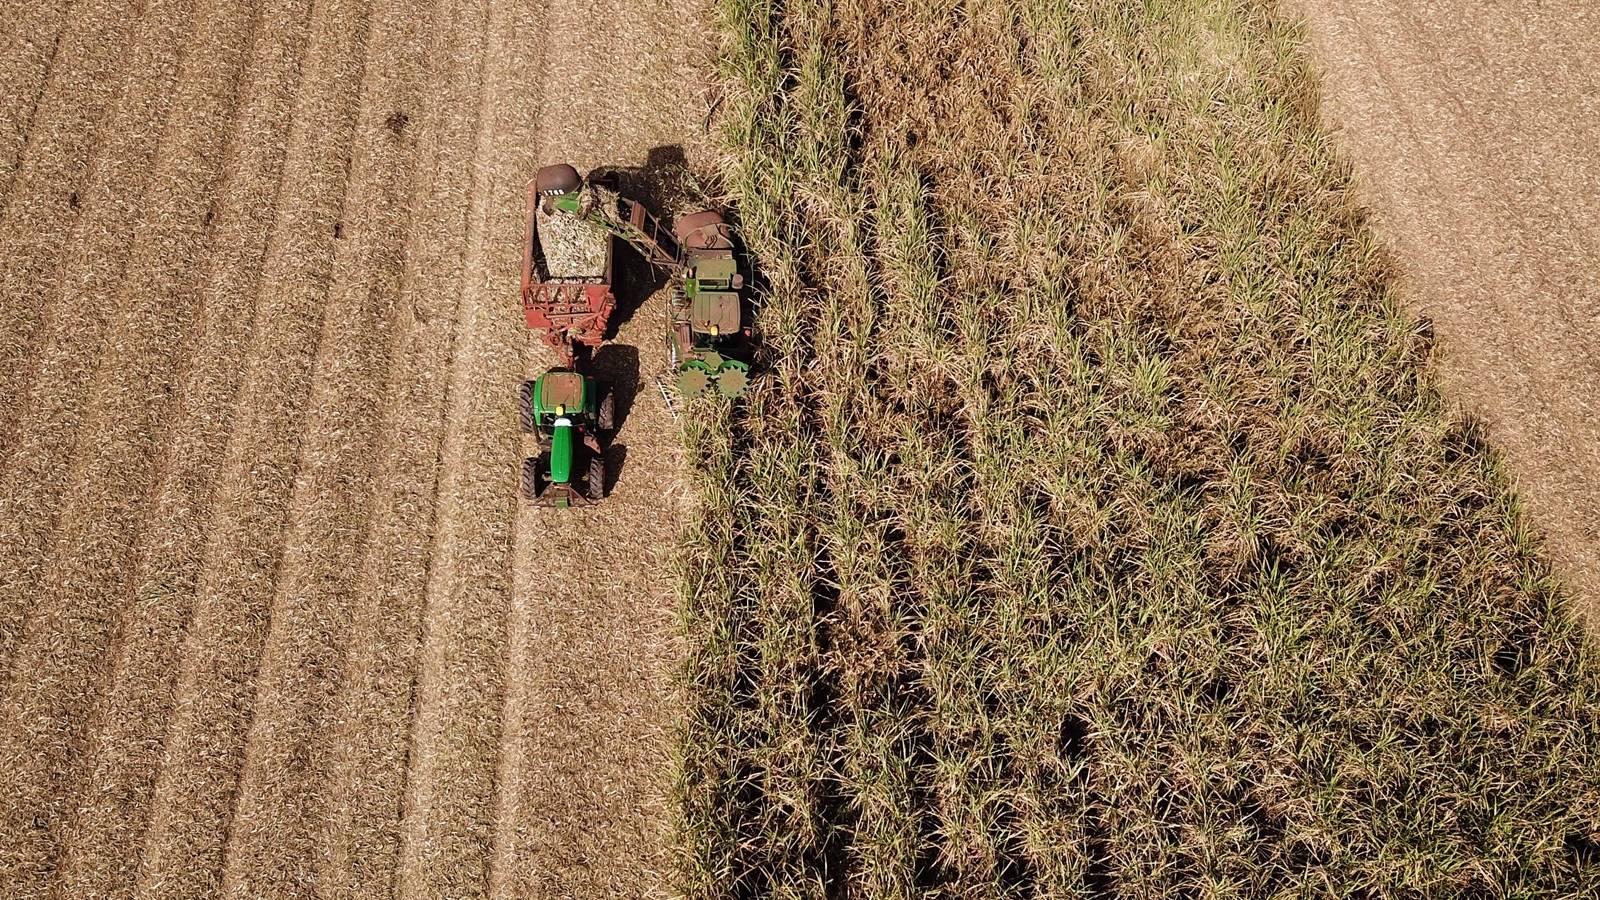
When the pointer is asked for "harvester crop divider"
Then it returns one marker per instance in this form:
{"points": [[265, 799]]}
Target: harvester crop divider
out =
{"points": [[667, 396]]}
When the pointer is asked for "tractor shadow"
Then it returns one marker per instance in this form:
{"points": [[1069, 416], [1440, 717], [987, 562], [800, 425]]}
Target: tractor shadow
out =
{"points": [[618, 366], [616, 458], [659, 184]]}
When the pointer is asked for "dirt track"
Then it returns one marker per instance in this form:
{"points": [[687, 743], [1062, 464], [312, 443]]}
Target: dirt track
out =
{"points": [[271, 617], [1474, 129]]}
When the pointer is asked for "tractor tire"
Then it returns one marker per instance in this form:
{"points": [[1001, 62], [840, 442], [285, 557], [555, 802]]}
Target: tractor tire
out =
{"points": [[525, 409], [596, 488], [533, 480], [606, 417]]}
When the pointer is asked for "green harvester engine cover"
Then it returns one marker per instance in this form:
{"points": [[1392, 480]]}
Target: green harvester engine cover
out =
{"points": [[714, 312]]}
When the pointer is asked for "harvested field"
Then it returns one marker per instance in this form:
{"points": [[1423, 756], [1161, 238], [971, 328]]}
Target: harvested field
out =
{"points": [[1473, 129], [1098, 529], [271, 620]]}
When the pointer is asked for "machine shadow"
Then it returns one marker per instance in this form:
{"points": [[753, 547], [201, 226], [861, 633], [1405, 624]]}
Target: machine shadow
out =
{"points": [[616, 458], [658, 184], [618, 365]]}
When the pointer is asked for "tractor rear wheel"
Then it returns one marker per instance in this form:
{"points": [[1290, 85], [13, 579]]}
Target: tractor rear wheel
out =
{"points": [[530, 424], [606, 417], [596, 488], [533, 480]]}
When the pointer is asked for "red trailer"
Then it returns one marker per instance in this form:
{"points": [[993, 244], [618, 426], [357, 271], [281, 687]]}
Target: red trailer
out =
{"points": [[566, 269]]}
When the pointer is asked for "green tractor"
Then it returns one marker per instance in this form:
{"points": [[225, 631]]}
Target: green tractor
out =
{"points": [[708, 338], [570, 416]]}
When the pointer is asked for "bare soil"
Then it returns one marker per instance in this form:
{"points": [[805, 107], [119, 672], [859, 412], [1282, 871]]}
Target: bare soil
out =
{"points": [[273, 621], [1474, 129]]}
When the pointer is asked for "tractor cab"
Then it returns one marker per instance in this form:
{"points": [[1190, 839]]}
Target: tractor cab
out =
{"points": [[568, 415], [560, 393]]}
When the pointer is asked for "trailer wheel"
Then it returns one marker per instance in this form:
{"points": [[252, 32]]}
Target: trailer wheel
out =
{"points": [[530, 423], [533, 480], [596, 488]]}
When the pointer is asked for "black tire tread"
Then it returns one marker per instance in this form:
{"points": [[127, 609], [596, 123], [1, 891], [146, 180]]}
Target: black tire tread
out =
{"points": [[606, 414], [525, 409], [596, 488]]}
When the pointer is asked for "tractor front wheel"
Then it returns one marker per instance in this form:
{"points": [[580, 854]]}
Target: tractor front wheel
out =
{"points": [[533, 480], [530, 424], [606, 417]]}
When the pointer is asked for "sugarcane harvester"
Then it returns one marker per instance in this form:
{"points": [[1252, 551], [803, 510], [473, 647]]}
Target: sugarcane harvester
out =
{"points": [[708, 336]]}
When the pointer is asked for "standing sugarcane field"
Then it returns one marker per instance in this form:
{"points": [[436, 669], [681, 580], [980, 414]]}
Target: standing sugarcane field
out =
{"points": [[799, 449]]}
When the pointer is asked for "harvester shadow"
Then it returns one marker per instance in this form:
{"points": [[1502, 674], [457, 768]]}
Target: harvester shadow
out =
{"points": [[658, 184]]}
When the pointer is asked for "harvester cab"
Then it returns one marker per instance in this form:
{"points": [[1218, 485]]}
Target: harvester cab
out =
{"points": [[708, 338], [570, 417]]}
